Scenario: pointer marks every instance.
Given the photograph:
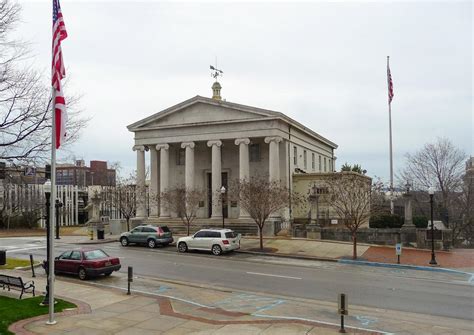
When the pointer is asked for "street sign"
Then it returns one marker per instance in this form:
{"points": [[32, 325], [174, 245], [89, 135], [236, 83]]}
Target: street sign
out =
{"points": [[30, 171], [398, 249]]}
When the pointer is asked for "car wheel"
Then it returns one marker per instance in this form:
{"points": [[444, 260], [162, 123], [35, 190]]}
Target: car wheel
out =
{"points": [[82, 274], [124, 241], [107, 274], [182, 247], [216, 250], [151, 243]]}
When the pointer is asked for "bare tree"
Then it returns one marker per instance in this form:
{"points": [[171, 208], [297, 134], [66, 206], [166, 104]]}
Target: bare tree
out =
{"points": [[25, 99], [184, 202], [354, 198], [126, 200], [260, 198], [439, 164]]}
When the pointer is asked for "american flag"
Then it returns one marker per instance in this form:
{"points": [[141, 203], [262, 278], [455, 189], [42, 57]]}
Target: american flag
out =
{"points": [[390, 83], [58, 73]]}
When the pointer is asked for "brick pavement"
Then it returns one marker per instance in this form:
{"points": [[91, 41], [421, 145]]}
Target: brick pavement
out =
{"points": [[456, 258]]}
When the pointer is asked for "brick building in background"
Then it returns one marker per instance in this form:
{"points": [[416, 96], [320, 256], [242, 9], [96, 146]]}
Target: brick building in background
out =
{"points": [[81, 175]]}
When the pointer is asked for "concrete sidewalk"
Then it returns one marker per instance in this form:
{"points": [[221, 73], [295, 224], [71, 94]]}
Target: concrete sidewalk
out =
{"points": [[170, 307]]}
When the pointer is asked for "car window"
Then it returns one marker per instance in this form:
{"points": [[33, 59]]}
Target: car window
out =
{"points": [[148, 230], [201, 234], [95, 254], [75, 256], [214, 234], [137, 230], [230, 234], [165, 229], [65, 255]]}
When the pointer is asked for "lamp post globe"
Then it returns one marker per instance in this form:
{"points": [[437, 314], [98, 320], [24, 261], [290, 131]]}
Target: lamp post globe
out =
{"points": [[223, 190], [431, 192]]}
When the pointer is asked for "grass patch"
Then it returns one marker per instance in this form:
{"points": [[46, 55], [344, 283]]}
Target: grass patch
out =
{"points": [[13, 263], [12, 310]]}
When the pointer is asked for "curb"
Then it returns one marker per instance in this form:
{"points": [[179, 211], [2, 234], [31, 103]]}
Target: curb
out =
{"points": [[97, 242], [309, 258], [404, 266]]}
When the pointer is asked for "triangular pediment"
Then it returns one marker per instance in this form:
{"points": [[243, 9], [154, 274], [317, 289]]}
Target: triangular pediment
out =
{"points": [[200, 110]]}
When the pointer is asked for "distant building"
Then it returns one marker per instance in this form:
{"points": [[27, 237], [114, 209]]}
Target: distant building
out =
{"points": [[22, 174], [81, 175]]}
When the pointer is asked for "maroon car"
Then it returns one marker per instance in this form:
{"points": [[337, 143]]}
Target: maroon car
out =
{"points": [[86, 263]]}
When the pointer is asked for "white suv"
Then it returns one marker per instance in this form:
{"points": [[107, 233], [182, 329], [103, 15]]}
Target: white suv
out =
{"points": [[215, 240]]}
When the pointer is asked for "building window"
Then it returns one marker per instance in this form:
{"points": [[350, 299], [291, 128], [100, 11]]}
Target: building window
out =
{"points": [[325, 168], [180, 156], [254, 152], [305, 160], [319, 163], [313, 162], [295, 155]]}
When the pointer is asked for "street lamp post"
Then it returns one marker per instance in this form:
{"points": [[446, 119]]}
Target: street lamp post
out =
{"points": [[58, 205], [223, 190], [47, 193], [433, 257]]}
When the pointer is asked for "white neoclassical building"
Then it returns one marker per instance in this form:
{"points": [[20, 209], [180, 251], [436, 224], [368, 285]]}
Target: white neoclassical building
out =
{"points": [[205, 143]]}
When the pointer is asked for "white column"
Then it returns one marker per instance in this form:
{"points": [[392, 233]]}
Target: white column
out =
{"points": [[164, 175], [154, 190], [244, 166], [216, 174], [189, 164], [274, 157], [141, 208]]}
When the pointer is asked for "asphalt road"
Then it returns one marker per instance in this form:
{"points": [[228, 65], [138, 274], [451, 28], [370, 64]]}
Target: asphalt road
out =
{"points": [[404, 290]]}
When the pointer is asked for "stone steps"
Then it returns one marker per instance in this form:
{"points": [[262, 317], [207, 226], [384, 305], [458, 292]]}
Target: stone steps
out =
{"points": [[244, 227]]}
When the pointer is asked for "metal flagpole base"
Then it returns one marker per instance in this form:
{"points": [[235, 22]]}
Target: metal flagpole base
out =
{"points": [[51, 322]]}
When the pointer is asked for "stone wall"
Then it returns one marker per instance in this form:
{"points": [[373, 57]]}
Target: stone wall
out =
{"points": [[409, 237]]}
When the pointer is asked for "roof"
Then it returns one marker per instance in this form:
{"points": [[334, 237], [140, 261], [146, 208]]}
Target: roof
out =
{"points": [[199, 99]]}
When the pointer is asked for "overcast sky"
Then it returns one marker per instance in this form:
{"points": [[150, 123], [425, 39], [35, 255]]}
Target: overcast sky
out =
{"points": [[321, 63]]}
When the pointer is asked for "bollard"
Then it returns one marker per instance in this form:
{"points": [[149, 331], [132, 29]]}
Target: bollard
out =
{"points": [[342, 310], [130, 278], [32, 266]]}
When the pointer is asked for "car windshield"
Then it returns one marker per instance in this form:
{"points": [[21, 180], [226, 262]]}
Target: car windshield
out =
{"points": [[95, 254], [231, 234]]}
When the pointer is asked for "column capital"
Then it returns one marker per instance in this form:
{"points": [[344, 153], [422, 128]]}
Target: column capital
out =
{"points": [[276, 139], [239, 141], [191, 145], [138, 148], [214, 142], [164, 146]]}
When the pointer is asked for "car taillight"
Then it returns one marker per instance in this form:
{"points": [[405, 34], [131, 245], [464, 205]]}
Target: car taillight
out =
{"points": [[225, 241], [160, 232]]}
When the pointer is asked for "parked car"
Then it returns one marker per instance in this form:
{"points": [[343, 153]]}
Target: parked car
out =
{"points": [[215, 240], [85, 263], [148, 235]]}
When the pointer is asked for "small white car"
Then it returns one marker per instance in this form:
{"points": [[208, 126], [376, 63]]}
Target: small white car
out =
{"points": [[215, 240]]}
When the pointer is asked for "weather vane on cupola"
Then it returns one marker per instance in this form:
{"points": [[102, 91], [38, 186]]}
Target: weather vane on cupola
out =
{"points": [[216, 87]]}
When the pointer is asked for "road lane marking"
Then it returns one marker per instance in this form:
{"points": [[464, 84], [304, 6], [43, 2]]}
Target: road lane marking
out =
{"points": [[270, 275]]}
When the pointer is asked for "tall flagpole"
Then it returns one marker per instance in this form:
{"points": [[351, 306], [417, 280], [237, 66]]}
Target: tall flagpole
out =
{"points": [[52, 209], [390, 132]]}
